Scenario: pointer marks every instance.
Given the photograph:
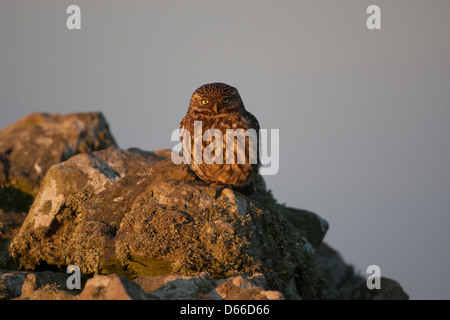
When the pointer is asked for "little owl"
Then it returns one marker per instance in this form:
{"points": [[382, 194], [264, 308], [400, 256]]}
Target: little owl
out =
{"points": [[219, 106]]}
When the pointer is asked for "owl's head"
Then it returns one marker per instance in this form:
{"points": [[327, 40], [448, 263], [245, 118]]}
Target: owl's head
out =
{"points": [[216, 98]]}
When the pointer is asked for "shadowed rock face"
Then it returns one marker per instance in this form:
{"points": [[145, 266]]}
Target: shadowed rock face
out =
{"points": [[137, 213], [389, 290]]}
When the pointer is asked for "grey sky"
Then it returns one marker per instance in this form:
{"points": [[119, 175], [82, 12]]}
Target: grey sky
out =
{"points": [[364, 116]]}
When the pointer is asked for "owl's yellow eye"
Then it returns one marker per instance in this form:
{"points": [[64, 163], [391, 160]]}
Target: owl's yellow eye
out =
{"points": [[226, 100], [205, 101]]}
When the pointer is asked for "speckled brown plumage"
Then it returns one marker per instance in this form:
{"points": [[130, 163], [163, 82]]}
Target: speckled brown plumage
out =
{"points": [[222, 115]]}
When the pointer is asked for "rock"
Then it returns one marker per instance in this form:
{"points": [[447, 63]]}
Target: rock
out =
{"points": [[48, 292], [10, 223], [389, 290], [11, 283], [241, 288], [340, 277], [111, 287], [44, 285], [176, 287], [202, 287], [307, 223], [342, 282], [47, 283], [29, 147], [133, 213], [65, 187]]}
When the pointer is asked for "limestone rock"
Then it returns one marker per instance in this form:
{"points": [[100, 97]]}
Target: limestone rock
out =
{"points": [[203, 287], [48, 292], [389, 290], [340, 277], [133, 213], [10, 223], [242, 288], [53, 215], [29, 147], [111, 287], [176, 287], [11, 284], [308, 224], [27, 285], [48, 285]]}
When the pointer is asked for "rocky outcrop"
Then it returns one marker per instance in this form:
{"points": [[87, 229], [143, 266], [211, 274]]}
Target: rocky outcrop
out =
{"points": [[111, 287], [203, 287], [26, 285], [136, 213], [47, 285], [140, 227], [177, 287], [244, 288], [10, 223], [339, 277], [29, 147], [389, 290]]}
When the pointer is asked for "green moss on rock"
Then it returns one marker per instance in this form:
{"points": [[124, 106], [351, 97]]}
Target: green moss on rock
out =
{"points": [[157, 219]]}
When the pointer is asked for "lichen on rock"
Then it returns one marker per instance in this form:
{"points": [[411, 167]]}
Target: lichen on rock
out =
{"points": [[141, 227], [29, 147], [139, 214]]}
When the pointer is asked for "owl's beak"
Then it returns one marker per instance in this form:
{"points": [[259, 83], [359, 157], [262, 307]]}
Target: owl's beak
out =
{"points": [[215, 108]]}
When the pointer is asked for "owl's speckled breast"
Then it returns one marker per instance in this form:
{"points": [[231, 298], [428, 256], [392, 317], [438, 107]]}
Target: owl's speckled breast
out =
{"points": [[206, 107]]}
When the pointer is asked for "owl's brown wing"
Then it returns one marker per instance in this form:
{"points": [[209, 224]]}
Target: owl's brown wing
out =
{"points": [[254, 124], [186, 124], [183, 123], [252, 120]]}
